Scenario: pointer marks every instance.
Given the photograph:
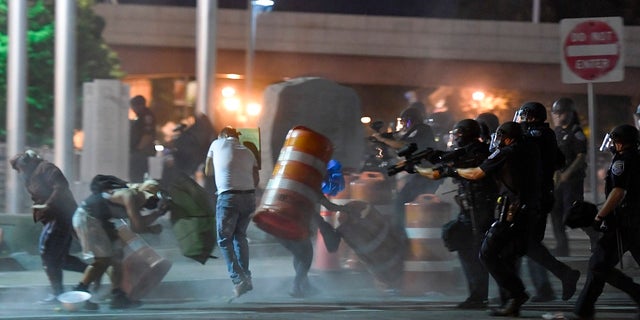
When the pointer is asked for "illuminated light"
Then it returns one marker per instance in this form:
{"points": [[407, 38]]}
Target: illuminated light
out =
{"points": [[253, 109], [365, 120], [231, 104], [228, 92], [399, 124], [242, 118], [159, 148], [233, 76], [477, 96], [263, 3]]}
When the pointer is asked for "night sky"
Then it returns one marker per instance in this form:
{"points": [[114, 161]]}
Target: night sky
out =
{"points": [[514, 10]]}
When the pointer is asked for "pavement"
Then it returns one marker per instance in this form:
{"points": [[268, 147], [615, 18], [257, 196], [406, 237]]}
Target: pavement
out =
{"points": [[208, 286]]}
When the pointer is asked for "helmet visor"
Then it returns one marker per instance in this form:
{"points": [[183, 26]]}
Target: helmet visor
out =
{"points": [[495, 141], [607, 143]]}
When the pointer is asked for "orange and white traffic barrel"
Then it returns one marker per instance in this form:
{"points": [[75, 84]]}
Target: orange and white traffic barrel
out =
{"points": [[429, 266], [292, 193]]}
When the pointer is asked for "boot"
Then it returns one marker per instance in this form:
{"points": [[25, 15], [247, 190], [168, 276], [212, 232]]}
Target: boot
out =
{"points": [[511, 308]]}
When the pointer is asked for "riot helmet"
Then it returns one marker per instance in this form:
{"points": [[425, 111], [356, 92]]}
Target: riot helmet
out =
{"points": [[563, 112], [508, 130], [563, 105], [531, 112], [465, 132], [625, 134], [488, 122], [410, 117], [636, 117]]}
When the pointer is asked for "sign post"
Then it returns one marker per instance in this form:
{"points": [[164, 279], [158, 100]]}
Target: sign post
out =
{"points": [[592, 51]]}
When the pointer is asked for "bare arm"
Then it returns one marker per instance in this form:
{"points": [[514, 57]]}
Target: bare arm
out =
{"points": [[129, 199], [428, 173], [208, 167], [471, 173]]}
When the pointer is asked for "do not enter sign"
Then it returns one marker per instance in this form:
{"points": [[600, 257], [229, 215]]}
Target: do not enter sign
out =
{"points": [[592, 50]]}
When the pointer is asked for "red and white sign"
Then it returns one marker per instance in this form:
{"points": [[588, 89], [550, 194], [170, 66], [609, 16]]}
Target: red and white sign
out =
{"points": [[592, 50]]}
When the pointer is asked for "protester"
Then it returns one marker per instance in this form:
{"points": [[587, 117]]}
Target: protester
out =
{"points": [[141, 139], [236, 177], [111, 198], [53, 206]]}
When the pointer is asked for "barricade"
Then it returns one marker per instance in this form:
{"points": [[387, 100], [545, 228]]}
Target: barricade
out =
{"points": [[291, 194], [142, 267], [429, 266], [376, 243], [372, 187]]}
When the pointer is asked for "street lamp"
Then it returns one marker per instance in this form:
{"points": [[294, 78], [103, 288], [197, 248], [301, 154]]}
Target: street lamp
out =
{"points": [[255, 7]]}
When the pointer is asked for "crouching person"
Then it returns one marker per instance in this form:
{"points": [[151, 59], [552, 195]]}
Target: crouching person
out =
{"points": [[111, 199]]}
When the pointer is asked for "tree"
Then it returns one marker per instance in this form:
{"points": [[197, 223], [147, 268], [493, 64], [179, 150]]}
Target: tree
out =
{"points": [[94, 60]]}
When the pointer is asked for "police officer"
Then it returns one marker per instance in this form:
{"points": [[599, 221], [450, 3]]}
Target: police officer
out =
{"points": [[619, 219], [516, 168], [476, 199], [414, 131], [488, 124], [569, 180], [532, 116]]}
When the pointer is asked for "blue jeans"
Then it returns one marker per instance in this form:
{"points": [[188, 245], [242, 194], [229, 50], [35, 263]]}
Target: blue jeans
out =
{"points": [[233, 213]]}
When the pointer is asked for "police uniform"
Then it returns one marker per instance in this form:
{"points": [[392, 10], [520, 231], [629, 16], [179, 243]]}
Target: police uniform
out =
{"points": [[624, 221], [571, 142], [476, 199], [517, 168], [544, 137]]}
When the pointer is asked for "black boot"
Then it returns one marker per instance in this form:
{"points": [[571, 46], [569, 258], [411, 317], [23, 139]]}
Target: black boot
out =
{"points": [[511, 308]]}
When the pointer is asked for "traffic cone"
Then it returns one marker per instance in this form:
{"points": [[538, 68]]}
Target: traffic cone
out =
{"points": [[323, 260]]}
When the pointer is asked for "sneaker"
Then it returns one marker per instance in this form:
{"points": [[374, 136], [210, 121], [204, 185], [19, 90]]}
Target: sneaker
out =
{"points": [[81, 287], [49, 299], [242, 287]]}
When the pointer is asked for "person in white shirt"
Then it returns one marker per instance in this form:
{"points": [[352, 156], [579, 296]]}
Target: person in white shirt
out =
{"points": [[236, 176]]}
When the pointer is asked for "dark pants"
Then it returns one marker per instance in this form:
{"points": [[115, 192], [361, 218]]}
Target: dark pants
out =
{"points": [[500, 251], [602, 270], [475, 273], [55, 241], [138, 166], [565, 195], [539, 253]]}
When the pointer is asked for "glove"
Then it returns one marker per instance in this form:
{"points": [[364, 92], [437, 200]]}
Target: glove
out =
{"points": [[447, 171], [410, 168], [599, 225]]}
